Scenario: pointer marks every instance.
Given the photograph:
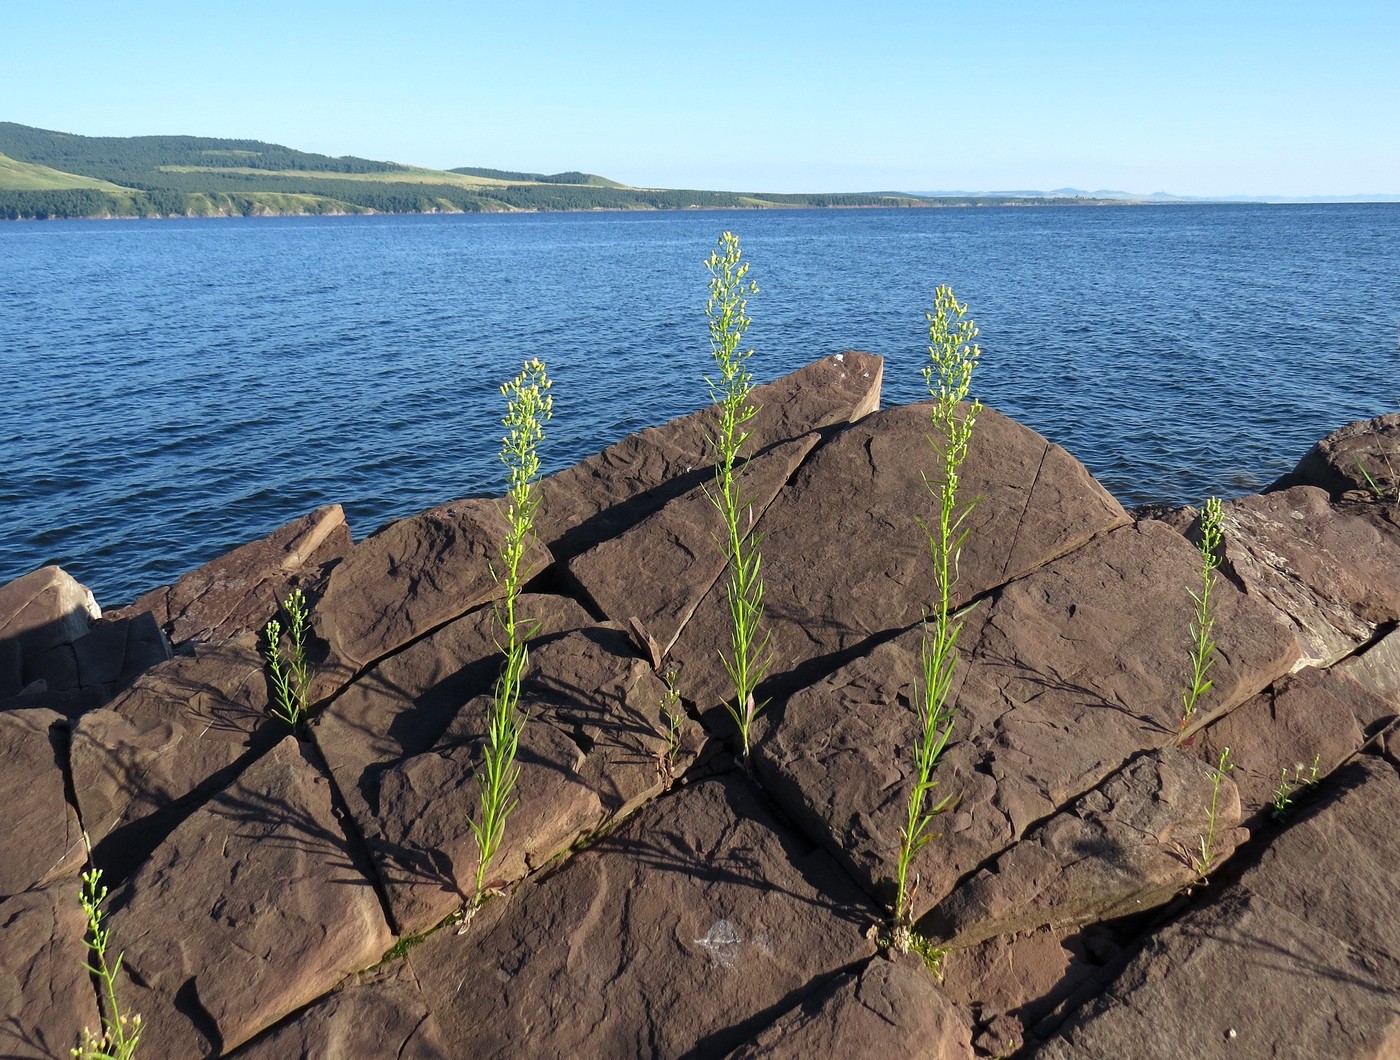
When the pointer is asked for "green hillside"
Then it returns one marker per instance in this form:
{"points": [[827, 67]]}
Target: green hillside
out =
{"points": [[47, 174]]}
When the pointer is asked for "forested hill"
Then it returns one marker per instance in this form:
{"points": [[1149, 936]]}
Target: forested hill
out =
{"points": [[45, 174]]}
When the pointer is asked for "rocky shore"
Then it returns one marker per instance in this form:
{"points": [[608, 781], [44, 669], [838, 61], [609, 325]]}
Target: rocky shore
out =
{"points": [[277, 893]]}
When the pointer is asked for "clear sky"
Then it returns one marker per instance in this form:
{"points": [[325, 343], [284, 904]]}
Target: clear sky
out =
{"points": [[1203, 97]]}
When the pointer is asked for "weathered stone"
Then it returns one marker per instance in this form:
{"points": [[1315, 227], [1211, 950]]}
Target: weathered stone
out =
{"points": [[591, 752], [40, 838], [1336, 463], [658, 570], [1333, 575], [846, 559], [380, 1013], [414, 575], [117, 651], [1063, 677], [1377, 669], [889, 1008], [1313, 920], [402, 706], [180, 733], [54, 669], [253, 907], [602, 496], [44, 609], [11, 668], [238, 592], [46, 995], [1313, 719], [682, 932], [1132, 844]]}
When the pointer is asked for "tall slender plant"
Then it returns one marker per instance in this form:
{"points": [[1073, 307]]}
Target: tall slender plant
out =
{"points": [[953, 356], [529, 405], [730, 388], [1202, 651], [121, 1033]]}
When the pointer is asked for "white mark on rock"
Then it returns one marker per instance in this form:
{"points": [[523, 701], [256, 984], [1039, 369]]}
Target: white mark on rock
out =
{"points": [[723, 942], [840, 356]]}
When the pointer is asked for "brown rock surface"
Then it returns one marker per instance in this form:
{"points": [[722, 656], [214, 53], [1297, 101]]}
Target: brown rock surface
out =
{"points": [[600, 497], [46, 995], [889, 1008], [1064, 676], [689, 928], [40, 838], [1333, 575], [1335, 463], [237, 593], [846, 559], [412, 576], [253, 907], [588, 755]]}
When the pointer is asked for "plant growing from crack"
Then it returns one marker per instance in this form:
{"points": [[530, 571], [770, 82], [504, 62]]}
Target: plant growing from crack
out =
{"points": [[290, 676], [1205, 860], [953, 357], [120, 1033], [529, 405], [1289, 786], [727, 309], [1202, 651], [672, 717]]}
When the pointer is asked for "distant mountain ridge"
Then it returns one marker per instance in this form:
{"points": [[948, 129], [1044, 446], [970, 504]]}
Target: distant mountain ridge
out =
{"points": [[48, 174]]}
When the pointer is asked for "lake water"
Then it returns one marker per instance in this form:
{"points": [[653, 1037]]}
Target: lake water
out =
{"points": [[175, 388]]}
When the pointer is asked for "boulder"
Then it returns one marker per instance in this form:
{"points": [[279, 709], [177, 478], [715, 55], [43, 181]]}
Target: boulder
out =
{"points": [[889, 1008], [1332, 574], [602, 496], [1064, 675], [253, 907], [591, 752], [40, 838], [44, 612], [684, 932], [239, 592], [1340, 462], [47, 997], [412, 576], [845, 558]]}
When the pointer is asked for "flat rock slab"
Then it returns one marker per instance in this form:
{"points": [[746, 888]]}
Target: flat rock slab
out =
{"points": [[1130, 845], [1336, 463], [412, 576], [1309, 721], [591, 751], [1377, 669], [1063, 676], [688, 929], [844, 556], [602, 496], [889, 1008], [1314, 920], [658, 571], [1331, 573], [40, 838], [379, 1013], [238, 592], [46, 995], [180, 733], [252, 908]]}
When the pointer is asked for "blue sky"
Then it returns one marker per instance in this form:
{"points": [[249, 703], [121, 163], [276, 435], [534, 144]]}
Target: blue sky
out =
{"points": [[1282, 98]]}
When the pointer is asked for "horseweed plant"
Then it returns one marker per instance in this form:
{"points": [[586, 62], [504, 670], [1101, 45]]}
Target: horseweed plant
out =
{"points": [[1205, 861], [727, 311], [1287, 786], [291, 681], [1203, 645], [953, 356], [528, 405], [120, 1033]]}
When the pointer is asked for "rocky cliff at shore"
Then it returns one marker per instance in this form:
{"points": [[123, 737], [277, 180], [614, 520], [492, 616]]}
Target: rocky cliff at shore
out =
{"points": [[276, 892]]}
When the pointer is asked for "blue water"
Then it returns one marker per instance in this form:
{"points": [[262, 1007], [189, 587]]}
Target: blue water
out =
{"points": [[175, 388]]}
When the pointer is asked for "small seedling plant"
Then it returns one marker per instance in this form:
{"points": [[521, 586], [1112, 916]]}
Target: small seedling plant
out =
{"points": [[288, 670], [672, 718], [120, 1032], [1202, 651], [1205, 859], [1289, 786], [730, 387], [953, 357], [529, 405]]}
